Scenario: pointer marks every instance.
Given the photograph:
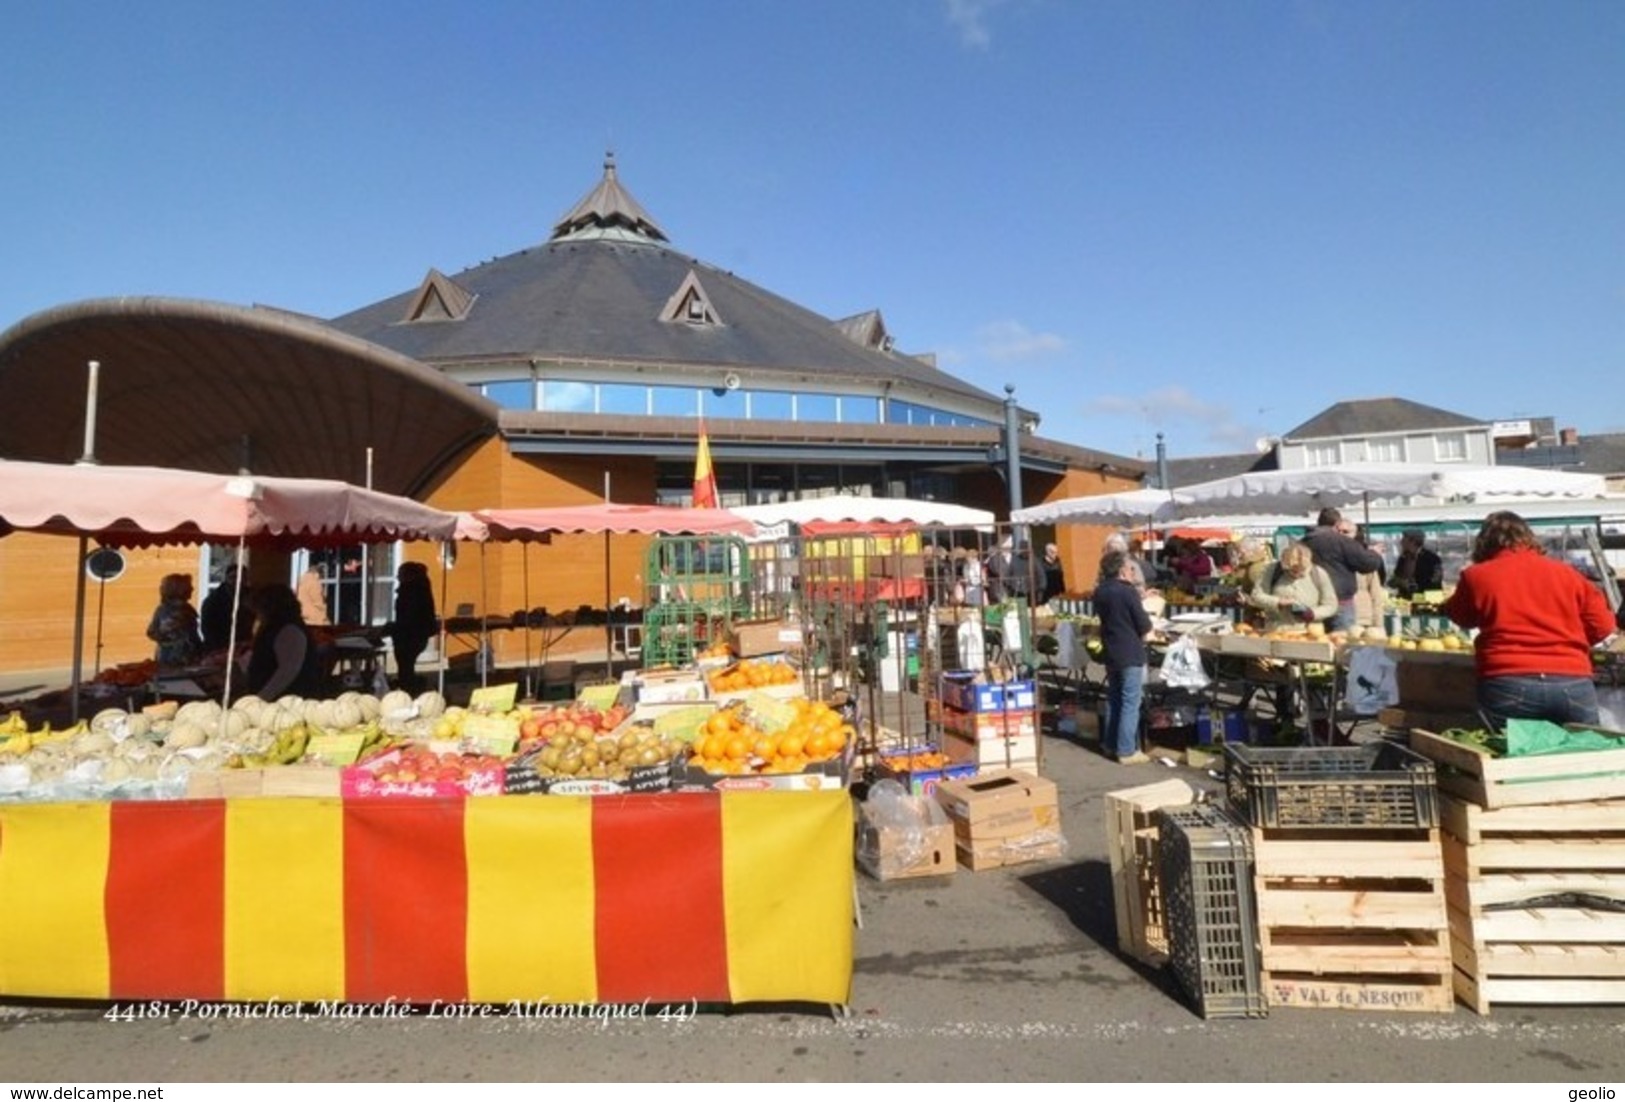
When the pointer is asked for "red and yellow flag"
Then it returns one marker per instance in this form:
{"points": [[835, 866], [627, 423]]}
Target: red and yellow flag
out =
{"points": [[705, 475]]}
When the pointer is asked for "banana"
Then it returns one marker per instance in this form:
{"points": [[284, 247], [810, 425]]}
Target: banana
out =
{"points": [[17, 744], [291, 743]]}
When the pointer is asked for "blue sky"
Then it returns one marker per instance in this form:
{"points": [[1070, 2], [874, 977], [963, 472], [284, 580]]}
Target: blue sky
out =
{"points": [[1208, 219]]}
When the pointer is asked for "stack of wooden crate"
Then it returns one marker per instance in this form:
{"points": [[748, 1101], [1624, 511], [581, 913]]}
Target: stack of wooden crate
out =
{"points": [[1133, 844], [1349, 876], [1534, 855]]}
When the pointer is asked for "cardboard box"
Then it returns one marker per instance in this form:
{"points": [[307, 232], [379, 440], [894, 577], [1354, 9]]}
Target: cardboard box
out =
{"points": [[753, 638], [923, 782], [991, 725], [1017, 752], [362, 781], [1005, 817], [818, 776], [677, 686], [961, 690], [891, 852], [274, 780], [1436, 682]]}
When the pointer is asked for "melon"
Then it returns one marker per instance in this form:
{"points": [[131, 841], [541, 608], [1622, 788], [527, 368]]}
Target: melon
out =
{"points": [[346, 713], [203, 712], [430, 704], [185, 736], [106, 721], [395, 702]]}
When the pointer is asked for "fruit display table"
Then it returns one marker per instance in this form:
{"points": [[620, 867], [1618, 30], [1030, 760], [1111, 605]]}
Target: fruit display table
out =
{"points": [[688, 897]]}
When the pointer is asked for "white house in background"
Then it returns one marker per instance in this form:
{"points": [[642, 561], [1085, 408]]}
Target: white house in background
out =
{"points": [[1385, 430]]}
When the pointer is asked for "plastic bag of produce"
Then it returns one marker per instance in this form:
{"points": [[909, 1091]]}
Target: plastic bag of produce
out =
{"points": [[1182, 665]]}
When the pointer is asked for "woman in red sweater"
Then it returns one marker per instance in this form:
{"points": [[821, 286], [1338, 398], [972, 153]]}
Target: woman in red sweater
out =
{"points": [[1537, 621]]}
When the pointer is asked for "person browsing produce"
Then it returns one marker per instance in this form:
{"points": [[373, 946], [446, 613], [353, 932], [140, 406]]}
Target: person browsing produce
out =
{"points": [[1537, 621], [1294, 591]]}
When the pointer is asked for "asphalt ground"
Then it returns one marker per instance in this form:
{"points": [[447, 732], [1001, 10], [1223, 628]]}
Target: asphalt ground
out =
{"points": [[1006, 975]]}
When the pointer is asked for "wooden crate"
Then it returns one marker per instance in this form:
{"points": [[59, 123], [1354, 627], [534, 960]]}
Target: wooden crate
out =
{"points": [[1492, 782], [1353, 922], [1408, 719], [1132, 842], [1548, 856]]}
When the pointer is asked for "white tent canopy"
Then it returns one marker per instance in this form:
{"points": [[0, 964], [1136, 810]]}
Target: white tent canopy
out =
{"points": [[838, 508], [1313, 488], [1125, 507]]}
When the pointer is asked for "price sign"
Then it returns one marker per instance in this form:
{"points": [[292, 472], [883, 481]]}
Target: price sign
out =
{"points": [[493, 698], [492, 734], [335, 749]]}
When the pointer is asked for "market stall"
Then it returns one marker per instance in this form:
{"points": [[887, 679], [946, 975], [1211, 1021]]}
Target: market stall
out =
{"points": [[156, 506], [370, 884]]}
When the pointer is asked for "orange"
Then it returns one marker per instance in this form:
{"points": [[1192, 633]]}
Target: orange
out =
{"points": [[791, 744], [738, 748], [764, 747]]}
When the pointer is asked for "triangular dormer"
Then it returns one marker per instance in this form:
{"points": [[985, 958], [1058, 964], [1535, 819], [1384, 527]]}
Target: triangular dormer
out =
{"points": [[690, 304], [867, 329], [438, 299]]}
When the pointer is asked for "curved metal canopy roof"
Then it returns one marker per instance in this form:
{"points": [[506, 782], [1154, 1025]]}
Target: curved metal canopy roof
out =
{"points": [[213, 387]]}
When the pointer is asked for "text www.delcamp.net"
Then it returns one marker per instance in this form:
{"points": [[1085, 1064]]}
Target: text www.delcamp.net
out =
{"points": [[90, 1094]]}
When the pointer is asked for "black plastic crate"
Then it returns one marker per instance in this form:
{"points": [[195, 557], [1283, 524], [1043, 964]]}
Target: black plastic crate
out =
{"points": [[1209, 911], [1378, 786]]}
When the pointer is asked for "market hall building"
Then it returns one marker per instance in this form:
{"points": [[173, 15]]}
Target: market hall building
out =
{"points": [[539, 378]]}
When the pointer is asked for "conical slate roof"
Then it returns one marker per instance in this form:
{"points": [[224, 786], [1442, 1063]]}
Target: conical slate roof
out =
{"points": [[607, 289]]}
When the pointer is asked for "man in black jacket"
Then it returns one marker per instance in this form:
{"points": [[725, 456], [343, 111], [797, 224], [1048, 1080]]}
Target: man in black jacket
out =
{"points": [[1342, 557], [1419, 569]]}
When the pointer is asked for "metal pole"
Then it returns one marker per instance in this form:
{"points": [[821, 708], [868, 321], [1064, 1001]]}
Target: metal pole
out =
{"points": [[366, 562], [1012, 446], [89, 457], [445, 555], [609, 628]]}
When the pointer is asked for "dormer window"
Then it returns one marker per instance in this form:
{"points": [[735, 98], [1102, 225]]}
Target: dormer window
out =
{"points": [[438, 299], [690, 304]]}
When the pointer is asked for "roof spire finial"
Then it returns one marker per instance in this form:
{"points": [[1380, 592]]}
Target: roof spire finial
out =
{"points": [[607, 208]]}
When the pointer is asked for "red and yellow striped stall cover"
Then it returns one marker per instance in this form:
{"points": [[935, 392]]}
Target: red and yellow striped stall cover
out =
{"points": [[732, 897]]}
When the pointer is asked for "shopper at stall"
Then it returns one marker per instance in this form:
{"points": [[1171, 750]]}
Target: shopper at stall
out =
{"points": [[1250, 559], [1190, 564], [414, 624], [1125, 627], [1342, 557], [1054, 575], [1295, 591], [1419, 568], [215, 614], [312, 601], [284, 658], [1139, 571], [1537, 621], [970, 587], [1370, 592], [174, 623]]}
